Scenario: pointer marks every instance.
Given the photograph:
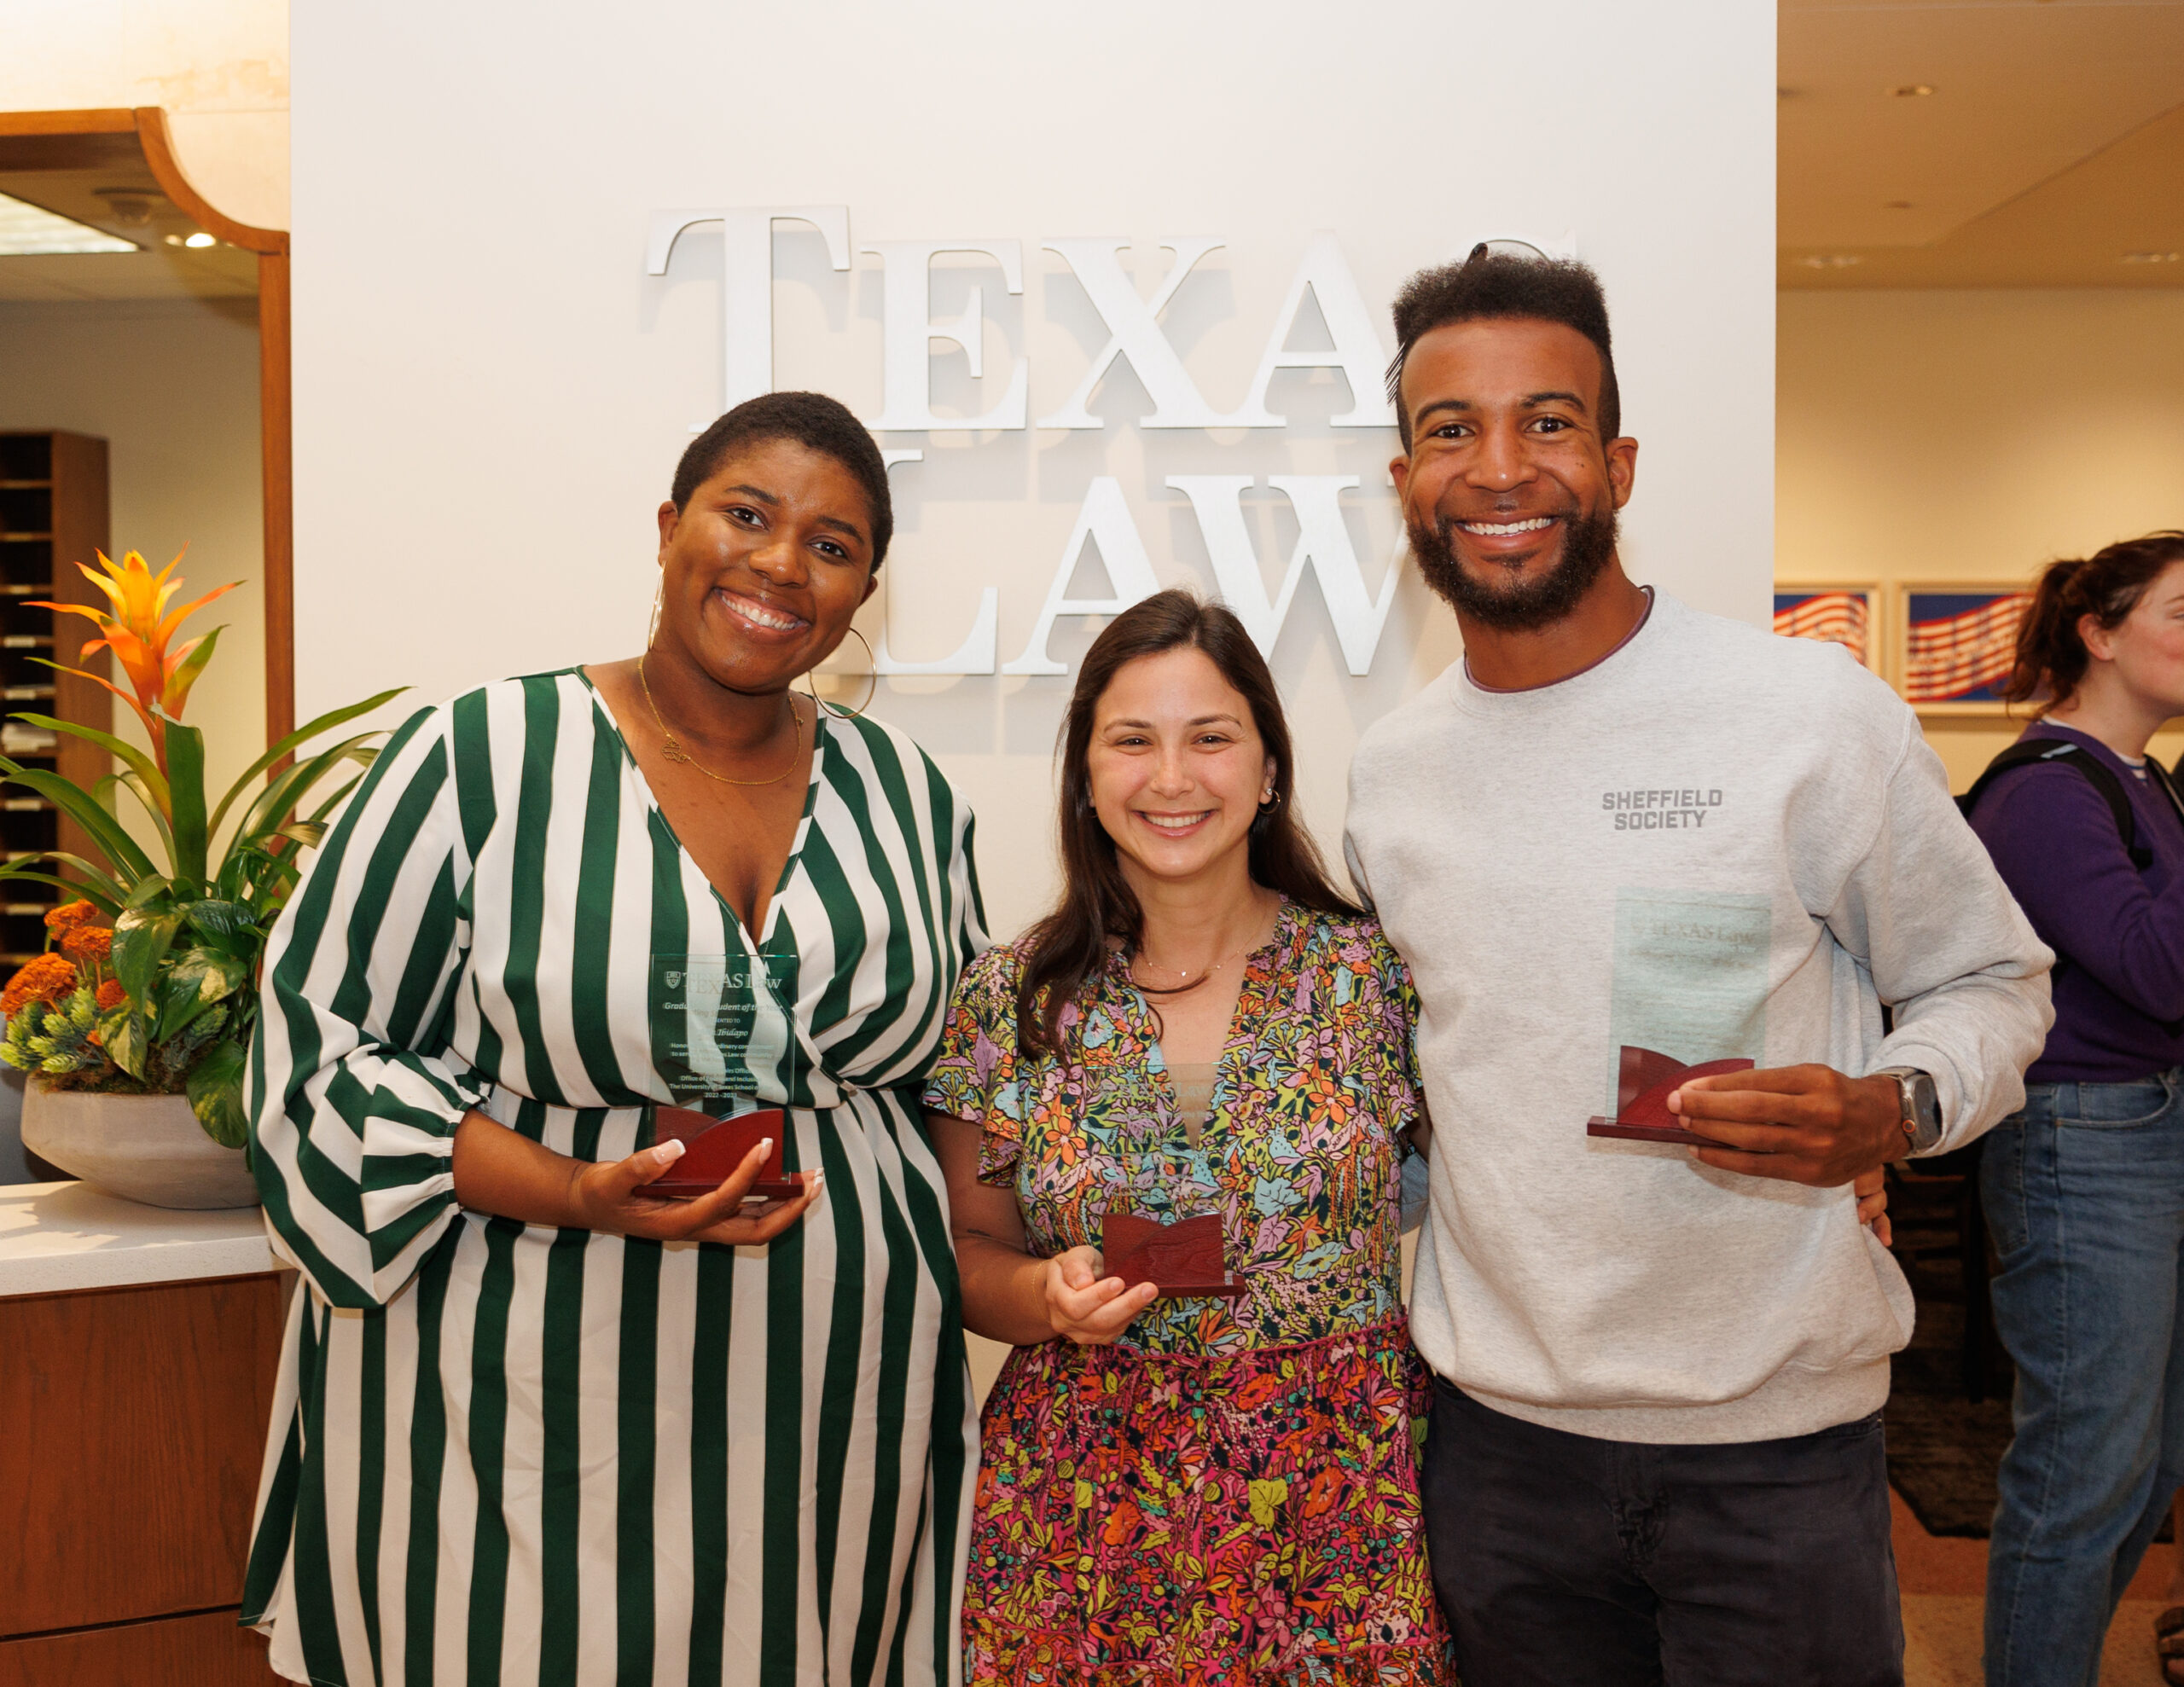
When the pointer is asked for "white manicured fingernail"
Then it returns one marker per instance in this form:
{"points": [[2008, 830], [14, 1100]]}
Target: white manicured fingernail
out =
{"points": [[669, 1151], [765, 1144]]}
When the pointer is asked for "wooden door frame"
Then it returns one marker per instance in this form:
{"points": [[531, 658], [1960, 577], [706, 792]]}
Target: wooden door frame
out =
{"points": [[148, 123]]}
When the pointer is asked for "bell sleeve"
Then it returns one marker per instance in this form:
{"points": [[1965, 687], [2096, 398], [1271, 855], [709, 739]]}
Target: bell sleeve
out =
{"points": [[975, 1079], [354, 1094]]}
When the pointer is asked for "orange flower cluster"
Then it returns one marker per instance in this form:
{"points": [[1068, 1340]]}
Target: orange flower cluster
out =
{"points": [[111, 994], [88, 945], [68, 916], [49, 978]]}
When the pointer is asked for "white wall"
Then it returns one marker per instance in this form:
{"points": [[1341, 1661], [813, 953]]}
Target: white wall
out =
{"points": [[173, 387], [1975, 436], [491, 391], [219, 66]]}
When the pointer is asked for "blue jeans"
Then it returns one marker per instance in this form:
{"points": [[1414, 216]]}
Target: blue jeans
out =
{"points": [[2084, 1193]]}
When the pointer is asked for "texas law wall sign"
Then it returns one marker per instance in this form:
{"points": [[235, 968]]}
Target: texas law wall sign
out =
{"points": [[500, 346], [1322, 288]]}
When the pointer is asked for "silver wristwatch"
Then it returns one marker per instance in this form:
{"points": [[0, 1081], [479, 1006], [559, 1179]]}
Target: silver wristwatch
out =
{"points": [[1921, 1114]]}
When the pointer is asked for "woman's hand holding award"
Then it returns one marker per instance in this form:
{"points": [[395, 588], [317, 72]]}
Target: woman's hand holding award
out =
{"points": [[617, 1196]]}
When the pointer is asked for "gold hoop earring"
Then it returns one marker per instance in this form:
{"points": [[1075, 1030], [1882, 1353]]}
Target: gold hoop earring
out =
{"points": [[872, 685], [651, 632]]}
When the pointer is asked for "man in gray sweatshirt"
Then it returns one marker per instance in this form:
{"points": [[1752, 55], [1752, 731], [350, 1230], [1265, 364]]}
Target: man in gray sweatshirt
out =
{"points": [[1622, 837]]}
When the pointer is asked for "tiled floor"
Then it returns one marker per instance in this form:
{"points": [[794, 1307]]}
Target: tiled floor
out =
{"points": [[1942, 1582]]}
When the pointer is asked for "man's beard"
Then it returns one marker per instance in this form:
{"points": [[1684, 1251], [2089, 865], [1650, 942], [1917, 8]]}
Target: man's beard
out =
{"points": [[1519, 606]]}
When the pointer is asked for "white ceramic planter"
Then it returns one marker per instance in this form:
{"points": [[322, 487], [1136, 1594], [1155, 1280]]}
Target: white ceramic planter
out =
{"points": [[147, 1148]]}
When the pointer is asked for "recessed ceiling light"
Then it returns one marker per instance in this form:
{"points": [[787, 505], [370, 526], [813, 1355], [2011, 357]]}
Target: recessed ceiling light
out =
{"points": [[26, 231], [199, 241], [1914, 91], [1830, 260], [2151, 257]]}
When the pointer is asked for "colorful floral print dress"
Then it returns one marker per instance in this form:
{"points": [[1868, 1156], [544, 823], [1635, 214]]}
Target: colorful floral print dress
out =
{"points": [[1229, 1493]]}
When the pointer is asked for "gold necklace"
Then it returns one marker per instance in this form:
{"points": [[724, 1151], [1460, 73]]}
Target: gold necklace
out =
{"points": [[675, 752], [1182, 973]]}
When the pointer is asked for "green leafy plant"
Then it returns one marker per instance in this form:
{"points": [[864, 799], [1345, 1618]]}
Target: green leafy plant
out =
{"points": [[189, 932]]}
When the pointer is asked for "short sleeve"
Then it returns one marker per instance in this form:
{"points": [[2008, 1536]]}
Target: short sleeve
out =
{"points": [[1396, 998], [975, 1078]]}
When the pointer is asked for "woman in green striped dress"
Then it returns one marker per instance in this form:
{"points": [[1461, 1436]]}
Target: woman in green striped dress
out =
{"points": [[535, 1425]]}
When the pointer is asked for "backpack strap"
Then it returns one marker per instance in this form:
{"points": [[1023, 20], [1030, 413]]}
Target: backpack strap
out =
{"points": [[2027, 751]]}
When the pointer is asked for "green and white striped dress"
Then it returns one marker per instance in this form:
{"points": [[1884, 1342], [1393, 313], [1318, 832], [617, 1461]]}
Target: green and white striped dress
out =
{"points": [[504, 1453]]}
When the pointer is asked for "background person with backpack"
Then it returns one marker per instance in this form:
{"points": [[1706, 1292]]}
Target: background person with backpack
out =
{"points": [[2084, 1188]]}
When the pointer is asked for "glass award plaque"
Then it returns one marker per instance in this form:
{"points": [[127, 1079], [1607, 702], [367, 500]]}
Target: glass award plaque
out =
{"points": [[713, 1148], [1645, 1079], [1165, 1228], [719, 1022]]}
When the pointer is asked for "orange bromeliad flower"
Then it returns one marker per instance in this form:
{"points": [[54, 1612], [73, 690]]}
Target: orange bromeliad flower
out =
{"points": [[138, 632], [48, 979]]}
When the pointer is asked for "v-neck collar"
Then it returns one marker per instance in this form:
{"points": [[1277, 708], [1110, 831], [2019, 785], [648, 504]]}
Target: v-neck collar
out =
{"points": [[1257, 964], [820, 741]]}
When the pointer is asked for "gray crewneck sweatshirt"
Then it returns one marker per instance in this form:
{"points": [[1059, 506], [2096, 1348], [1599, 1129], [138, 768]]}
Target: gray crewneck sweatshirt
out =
{"points": [[1714, 843]]}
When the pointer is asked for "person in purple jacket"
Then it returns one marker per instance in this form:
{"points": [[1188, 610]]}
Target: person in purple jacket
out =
{"points": [[2084, 1188]]}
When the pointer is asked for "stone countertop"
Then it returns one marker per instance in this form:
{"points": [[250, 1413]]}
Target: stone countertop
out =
{"points": [[56, 1236]]}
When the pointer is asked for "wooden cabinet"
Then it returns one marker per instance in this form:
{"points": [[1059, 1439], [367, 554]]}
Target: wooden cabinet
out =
{"points": [[52, 515], [136, 1425]]}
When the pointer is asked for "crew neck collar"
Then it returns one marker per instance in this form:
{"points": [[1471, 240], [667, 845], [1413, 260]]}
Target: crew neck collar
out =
{"points": [[1471, 693]]}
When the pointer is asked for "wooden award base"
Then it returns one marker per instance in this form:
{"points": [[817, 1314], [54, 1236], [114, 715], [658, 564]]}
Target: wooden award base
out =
{"points": [[1644, 1081], [715, 1147], [1182, 1259]]}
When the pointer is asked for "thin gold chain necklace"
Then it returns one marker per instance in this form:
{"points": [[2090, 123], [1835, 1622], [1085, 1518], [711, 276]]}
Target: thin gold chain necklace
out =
{"points": [[1183, 973], [673, 750]]}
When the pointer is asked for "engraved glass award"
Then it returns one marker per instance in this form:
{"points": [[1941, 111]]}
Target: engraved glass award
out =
{"points": [[718, 1023], [1164, 1228]]}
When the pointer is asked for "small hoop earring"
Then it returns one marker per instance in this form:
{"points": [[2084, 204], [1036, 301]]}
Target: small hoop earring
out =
{"points": [[872, 686]]}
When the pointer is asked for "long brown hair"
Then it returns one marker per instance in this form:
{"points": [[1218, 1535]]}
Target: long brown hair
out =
{"points": [[1098, 908], [2051, 652]]}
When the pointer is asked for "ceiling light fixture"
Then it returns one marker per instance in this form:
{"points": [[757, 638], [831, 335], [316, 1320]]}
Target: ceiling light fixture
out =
{"points": [[1914, 91], [199, 241], [2151, 257], [130, 208], [27, 231], [1830, 260]]}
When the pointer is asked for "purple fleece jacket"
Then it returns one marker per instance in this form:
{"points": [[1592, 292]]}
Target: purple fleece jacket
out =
{"points": [[2117, 932]]}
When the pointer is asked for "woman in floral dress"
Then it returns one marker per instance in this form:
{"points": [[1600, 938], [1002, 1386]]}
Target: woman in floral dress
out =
{"points": [[1190, 1488]]}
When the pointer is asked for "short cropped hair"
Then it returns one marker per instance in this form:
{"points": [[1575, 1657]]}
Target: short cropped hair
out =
{"points": [[813, 421], [1491, 285]]}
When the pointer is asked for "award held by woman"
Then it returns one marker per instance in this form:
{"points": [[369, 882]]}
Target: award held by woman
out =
{"points": [[1167, 1231]]}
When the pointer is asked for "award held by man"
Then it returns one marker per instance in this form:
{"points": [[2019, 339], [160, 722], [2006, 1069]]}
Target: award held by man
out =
{"points": [[1645, 1079]]}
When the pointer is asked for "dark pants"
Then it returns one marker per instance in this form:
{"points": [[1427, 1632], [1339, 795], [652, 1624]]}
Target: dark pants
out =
{"points": [[1562, 1559]]}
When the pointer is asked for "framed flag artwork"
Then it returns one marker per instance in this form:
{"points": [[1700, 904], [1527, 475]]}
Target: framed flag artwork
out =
{"points": [[1959, 641], [1833, 614]]}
